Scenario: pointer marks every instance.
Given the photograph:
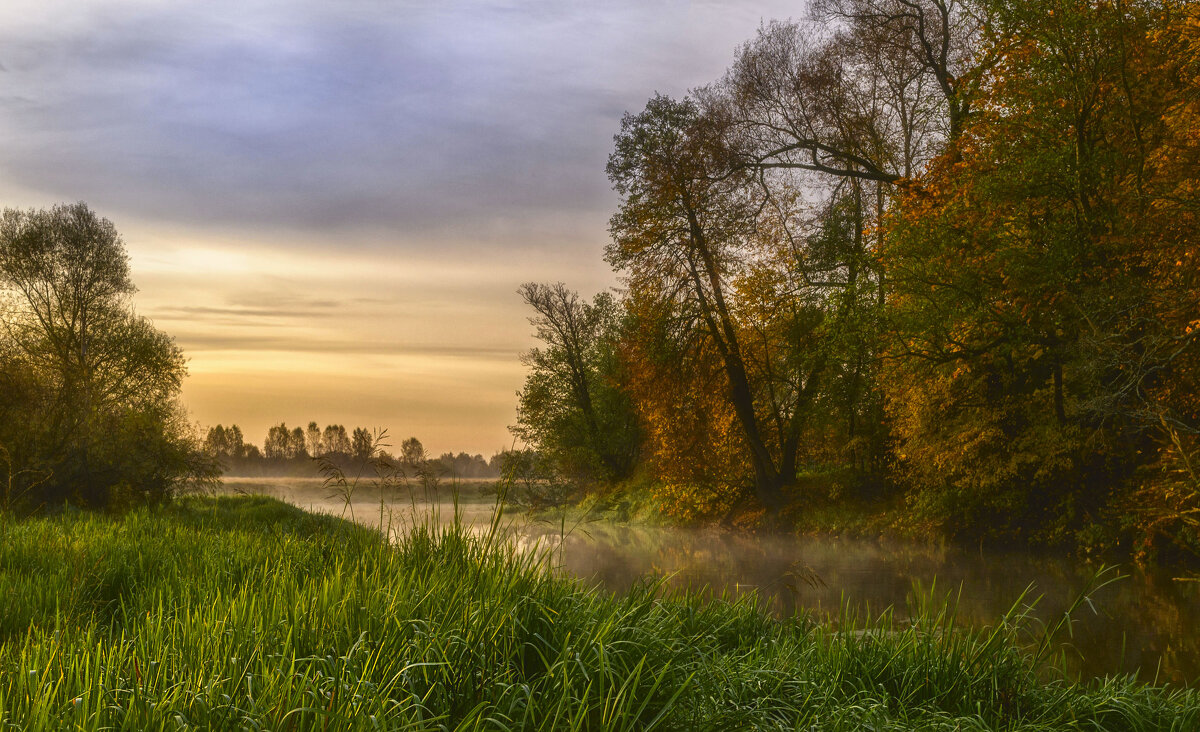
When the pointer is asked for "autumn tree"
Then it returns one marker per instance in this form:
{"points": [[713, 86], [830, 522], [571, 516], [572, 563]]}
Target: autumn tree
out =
{"points": [[689, 226], [1151, 351], [693, 440], [1029, 276], [827, 116]]}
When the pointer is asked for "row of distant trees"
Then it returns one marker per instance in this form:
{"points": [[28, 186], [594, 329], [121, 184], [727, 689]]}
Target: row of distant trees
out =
{"points": [[294, 449]]}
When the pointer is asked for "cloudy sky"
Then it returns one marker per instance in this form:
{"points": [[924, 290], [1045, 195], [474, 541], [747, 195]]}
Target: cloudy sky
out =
{"points": [[331, 204]]}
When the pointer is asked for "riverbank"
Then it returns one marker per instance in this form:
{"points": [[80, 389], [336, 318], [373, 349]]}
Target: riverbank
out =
{"points": [[245, 612], [840, 505], [818, 506]]}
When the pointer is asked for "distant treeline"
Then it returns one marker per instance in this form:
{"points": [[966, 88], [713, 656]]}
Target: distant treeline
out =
{"points": [[946, 255], [295, 450]]}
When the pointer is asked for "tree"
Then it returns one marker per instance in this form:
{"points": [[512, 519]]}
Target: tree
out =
{"points": [[215, 442], [225, 443], [1151, 351], [235, 442], [870, 93], [362, 444], [296, 443], [572, 408], [688, 227], [312, 440], [416, 462], [531, 480], [919, 49], [412, 453], [277, 445], [694, 444], [334, 440], [102, 374], [1042, 306]]}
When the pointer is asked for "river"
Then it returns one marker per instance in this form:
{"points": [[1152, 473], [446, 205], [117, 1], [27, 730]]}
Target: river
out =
{"points": [[1147, 623]]}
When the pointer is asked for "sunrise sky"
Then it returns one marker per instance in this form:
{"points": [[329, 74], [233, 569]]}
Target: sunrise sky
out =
{"points": [[330, 205]]}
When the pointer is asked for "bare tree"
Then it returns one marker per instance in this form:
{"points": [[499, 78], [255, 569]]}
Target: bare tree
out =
{"points": [[873, 91], [939, 39]]}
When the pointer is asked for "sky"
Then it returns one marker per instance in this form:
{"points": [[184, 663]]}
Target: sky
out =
{"points": [[331, 205]]}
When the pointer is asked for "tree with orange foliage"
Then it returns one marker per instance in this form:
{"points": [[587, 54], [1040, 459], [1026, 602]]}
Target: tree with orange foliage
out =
{"points": [[1035, 311], [696, 239], [693, 442]]}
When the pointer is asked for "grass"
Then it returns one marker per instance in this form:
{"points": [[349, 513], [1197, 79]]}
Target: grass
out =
{"points": [[246, 613]]}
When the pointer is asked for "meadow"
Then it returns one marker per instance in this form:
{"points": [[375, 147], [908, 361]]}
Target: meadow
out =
{"points": [[241, 612]]}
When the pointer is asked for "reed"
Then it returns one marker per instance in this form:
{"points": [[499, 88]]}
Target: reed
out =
{"points": [[245, 613]]}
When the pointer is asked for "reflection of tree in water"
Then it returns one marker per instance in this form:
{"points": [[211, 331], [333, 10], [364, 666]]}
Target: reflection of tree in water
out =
{"points": [[1149, 622], [1152, 617]]}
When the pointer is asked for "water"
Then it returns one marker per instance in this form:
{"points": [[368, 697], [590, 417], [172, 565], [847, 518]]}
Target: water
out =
{"points": [[1147, 624]]}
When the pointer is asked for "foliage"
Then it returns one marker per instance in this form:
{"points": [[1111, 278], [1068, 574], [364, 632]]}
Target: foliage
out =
{"points": [[949, 246], [225, 443], [531, 480], [1041, 303], [285, 444], [685, 228], [572, 408], [89, 411], [693, 441]]}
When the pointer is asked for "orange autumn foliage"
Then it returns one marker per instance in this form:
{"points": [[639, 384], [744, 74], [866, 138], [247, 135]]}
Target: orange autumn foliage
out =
{"points": [[1044, 276]]}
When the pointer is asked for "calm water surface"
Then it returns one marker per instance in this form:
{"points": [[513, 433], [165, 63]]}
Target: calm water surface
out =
{"points": [[1146, 624]]}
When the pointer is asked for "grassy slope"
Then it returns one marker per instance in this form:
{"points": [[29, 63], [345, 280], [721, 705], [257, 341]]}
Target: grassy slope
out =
{"points": [[246, 613]]}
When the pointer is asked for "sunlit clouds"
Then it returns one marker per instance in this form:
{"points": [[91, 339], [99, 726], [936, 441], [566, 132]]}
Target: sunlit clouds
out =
{"points": [[331, 205]]}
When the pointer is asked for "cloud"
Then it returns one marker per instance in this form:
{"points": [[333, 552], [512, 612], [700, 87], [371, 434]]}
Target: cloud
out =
{"points": [[427, 117], [216, 341], [240, 313], [326, 202]]}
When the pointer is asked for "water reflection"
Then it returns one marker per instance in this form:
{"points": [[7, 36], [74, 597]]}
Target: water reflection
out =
{"points": [[1144, 624]]}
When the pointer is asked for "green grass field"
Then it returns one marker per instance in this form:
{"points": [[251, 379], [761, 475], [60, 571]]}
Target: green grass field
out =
{"points": [[246, 613]]}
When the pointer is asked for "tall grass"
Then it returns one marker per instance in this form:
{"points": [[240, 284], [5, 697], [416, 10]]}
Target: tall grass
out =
{"points": [[245, 613]]}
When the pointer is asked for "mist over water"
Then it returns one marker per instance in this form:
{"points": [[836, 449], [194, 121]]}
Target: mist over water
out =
{"points": [[1140, 625]]}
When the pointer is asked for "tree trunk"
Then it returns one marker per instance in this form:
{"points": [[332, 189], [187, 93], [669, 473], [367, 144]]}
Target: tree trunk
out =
{"points": [[767, 484]]}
